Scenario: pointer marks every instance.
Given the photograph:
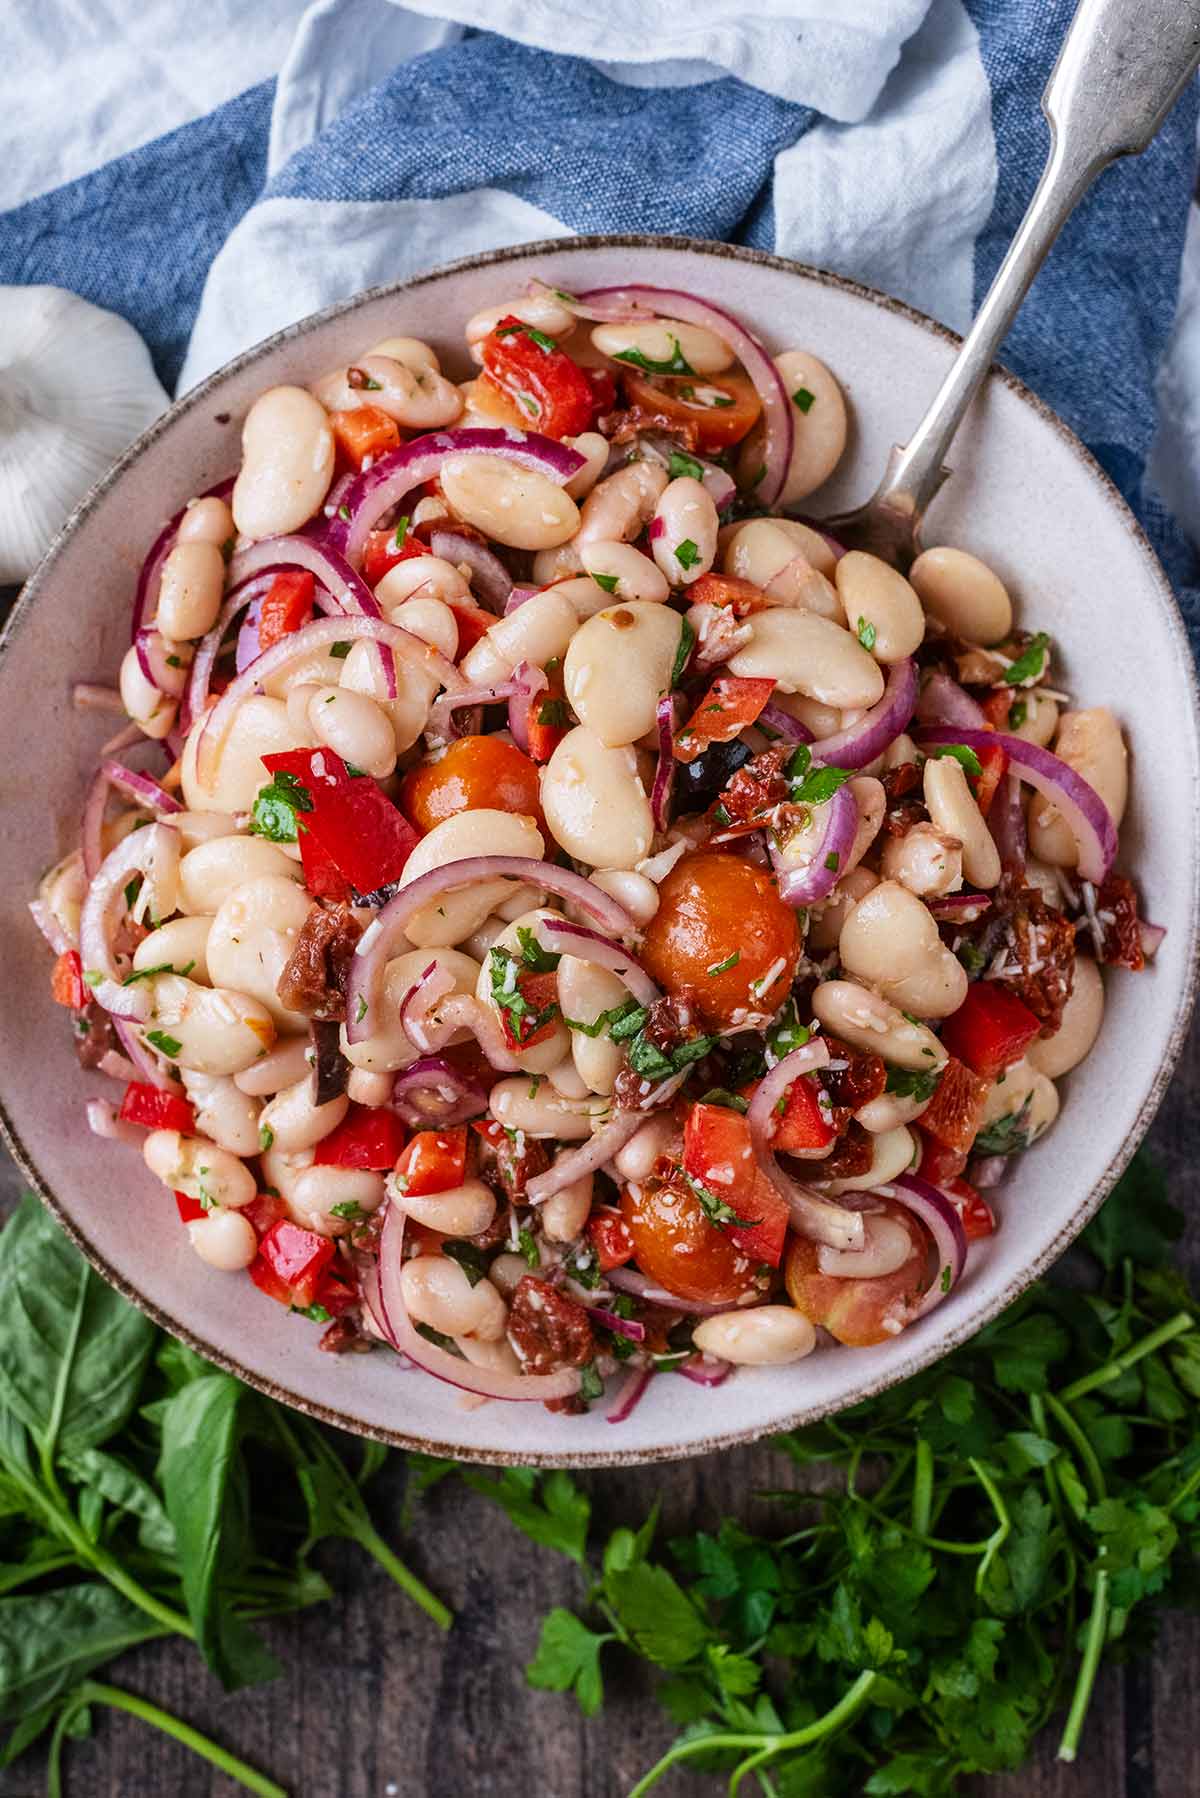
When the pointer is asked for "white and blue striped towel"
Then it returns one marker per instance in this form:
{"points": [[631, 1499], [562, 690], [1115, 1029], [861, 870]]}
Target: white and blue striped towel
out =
{"points": [[215, 177]]}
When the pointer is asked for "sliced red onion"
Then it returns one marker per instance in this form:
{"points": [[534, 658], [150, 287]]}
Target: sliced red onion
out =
{"points": [[529, 680], [50, 927], [154, 659], [629, 1327], [641, 1286], [432, 1091], [559, 937], [442, 725], [776, 402], [147, 1064], [940, 1217], [667, 714], [773, 721], [655, 528], [124, 739], [248, 646], [1087, 817], [705, 1370], [573, 1164], [1006, 821], [1151, 937], [813, 1216], [384, 936], [88, 696], [490, 579], [386, 482], [486, 1381], [518, 596], [463, 1011], [209, 648], [321, 559], [293, 648], [140, 787], [154, 853], [601, 312], [435, 982], [871, 734], [811, 862], [943, 701], [630, 1392], [959, 908], [986, 1171]]}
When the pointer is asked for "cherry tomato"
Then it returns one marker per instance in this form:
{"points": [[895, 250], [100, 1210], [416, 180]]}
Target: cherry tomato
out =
{"points": [[717, 409], [675, 1244], [856, 1312], [475, 772], [721, 931], [611, 1238], [977, 1216], [551, 391]]}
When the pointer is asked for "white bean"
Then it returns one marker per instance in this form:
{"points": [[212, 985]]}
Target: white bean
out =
{"points": [[1038, 716], [541, 310], [536, 633], [616, 668], [586, 596], [1022, 1090], [324, 1198], [1092, 744], [566, 1211], [533, 1106], [818, 427], [891, 1109], [659, 1135], [287, 463], [152, 711], [825, 921], [595, 451], [319, 668], [880, 606], [623, 571], [679, 348], [759, 549], [506, 1273], [437, 1292], [594, 802], [207, 520], [566, 1080], [282, 1067], [454, 915], [684, 535], [926, 860], [180, 946], [281, 1172], [954, 811], [410, 350], [1081, 1020], [873, 1024], [584, 992], [763, 1336], [197, 1167], [808, 654], [499, 1356], [355, 728], [638, 895], [557, 564], [211, 871], [224, 1112], [459, 1211], [510, 504], [887, 1247], [190, 590], [296, 1121], [390, 1048], [252, 937], [217, 1030], [891, 940], [260, 727], [363, 672], [419, 398], [224, 1240], [616, 510], [963, 594], [366, 1088], [892, 1153], [432, 576], [870, 799]]}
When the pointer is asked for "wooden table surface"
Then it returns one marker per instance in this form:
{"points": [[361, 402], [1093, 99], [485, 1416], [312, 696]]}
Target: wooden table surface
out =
{"points": [[375, 1703]]}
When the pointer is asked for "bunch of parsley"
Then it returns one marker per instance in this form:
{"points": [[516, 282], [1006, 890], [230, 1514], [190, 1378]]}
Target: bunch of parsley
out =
{"points": [[1003, 1523]]}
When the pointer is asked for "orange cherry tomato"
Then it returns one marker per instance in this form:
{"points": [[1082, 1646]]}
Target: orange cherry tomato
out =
{"points": [[719, 409], [475, 772], [722, 936], [674, 1242], [857, 1311]]}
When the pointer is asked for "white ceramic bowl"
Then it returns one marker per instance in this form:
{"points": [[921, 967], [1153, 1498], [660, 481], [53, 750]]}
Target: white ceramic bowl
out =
{"points": [[1025, 496]]}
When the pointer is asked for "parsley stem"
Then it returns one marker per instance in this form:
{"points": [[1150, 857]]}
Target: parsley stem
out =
{"points": [[1096, 1631], [1186, 1490], [1178, 1325], [93, 1692], [999, 1536], [922, 1494], [1071, 1429]]}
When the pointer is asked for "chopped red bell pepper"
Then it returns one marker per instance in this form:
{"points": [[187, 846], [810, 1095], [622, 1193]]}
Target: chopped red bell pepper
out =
{"points": [[363, 431], [742, 597], [976, 1215], [952, 1115], [548, 388], [367, 839], [611, 1238], [991, 1029], [540, 994], [321, 875], [719, 1155], [286, 606], [264, 1210], [803, 1128], [66, 982], [473, 622], [548, 720], [940, 1164], [291, 1262], [993, 764], [385, 549], [338, 1290], [369, 1136], [434, 1161], [155, 1109], [731, 704], [189, 1209]]}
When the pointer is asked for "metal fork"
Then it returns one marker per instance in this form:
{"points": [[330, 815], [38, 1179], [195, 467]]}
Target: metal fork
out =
{"points": [[1122, 66]]}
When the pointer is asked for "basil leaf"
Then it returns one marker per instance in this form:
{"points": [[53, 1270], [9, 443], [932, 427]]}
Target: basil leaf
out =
{"points": [[542, 961], [49, 1641], [687, 639], [720, 1095], [122, 1486]]}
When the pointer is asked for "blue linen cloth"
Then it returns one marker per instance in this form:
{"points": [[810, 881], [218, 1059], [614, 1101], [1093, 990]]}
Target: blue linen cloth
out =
{"points": [[898, 143]]}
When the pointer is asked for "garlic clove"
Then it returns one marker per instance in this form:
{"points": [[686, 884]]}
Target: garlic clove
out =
{"points": [[76, 387]]}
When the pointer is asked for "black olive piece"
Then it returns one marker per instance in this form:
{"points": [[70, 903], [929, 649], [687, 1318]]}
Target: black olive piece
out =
{"points": [[698, 784]]}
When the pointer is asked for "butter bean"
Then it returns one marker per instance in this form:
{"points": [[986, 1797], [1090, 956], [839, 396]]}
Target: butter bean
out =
{"points": [[811, 655], [685, 546], [617, 665], [410, 350], [1082, 1016], [510, 504], [877, 599], [285, 1064], [430, 576], [535, 633], [224, 1240], [759, 549], [207, 520], [218, 1030], [953, 809], [154, 712], [925, 859], [565, 1212], [963, 594], [197, 1167], [594, 802], [521, 1104], [1092, 744], [296, 1121], [211, 871], [223, 1112], [390, 1048], [893, 1152], [463, 1210], [1026, 1091], [190, 590], [584, 992], [762, 1336], [253, 935], [417, 397], [874, 1024], [818, 427], [595, 450], [260, 727], [437, 1292], [887, 1247], [685, 349], [623, 572], [541, 310], [316, 1191], [287, 463], [454, 915], [616, 510], [179, 945], [355, 728]]}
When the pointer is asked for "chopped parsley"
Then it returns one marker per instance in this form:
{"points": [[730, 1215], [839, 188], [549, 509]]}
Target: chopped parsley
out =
{"points": [[469, 1258], [687, 553], [164, 967], [361, 1012], [759, 474], [401, 532], [913, 1083], [720, 1095], [524, 1021], [804, 399], [678, 363], [542, 961], [275, 809], [813, 786], [590, 1384], [717, 1210], [787, 1032], [527, 1247], [1007, 1135], [316, 1314], [1030, 665], [132, 889], [958, 752], [585, 1273], [343, 513], [621, 1022], [607, 581], [169, 1045], [681, 467], [93, 978], [544, 343], [439, 1339], [866, 633], [266, 1137], [833, 861], [349, 1209], [339, 651], [721, 967], [687, 640], [653, 1063], [1018, 711], [553, 714]]}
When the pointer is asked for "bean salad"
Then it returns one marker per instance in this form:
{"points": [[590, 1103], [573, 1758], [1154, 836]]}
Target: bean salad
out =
{"points": [[550, 908]]}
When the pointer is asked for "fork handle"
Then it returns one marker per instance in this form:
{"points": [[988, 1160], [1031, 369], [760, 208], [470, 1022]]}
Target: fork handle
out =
{"points": [[1122, 66]]}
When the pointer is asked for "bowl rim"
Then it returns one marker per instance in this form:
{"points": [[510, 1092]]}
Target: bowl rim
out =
{"points": [[939, 1346]]}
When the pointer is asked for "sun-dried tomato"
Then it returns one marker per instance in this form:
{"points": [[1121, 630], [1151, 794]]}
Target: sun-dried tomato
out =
{"points": [[851, 1156], [1117, 909], [1040, 965], [753, 790], [905, 807], [547, 1329], [852, 1079], [313, 980]]}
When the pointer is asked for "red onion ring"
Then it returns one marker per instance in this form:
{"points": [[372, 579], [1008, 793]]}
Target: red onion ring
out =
{"points": [[209, 648], [986, 1171], [574, 1164], [943, 701], [833, 827], [487, 1382], [434, 983], [386, 482], [641, 1286], [319, 557], [601, 314], [870, 735], [630, 1393], [558, 936], [940, 1217], [818, 1218], [1087, 817], [529, 680], [384, 936], [140, 787], [441, 726], [88, 696], [959, 908], [153, 660], [667, 714], [463, 1011], [776, 402], [1151, 937], [431, 1091], [147, 1063], [518, 596], [629, 1327], [774, 721], [154, 853], [1006, 821], [490, 579], [705, 1370], [50, 927]]}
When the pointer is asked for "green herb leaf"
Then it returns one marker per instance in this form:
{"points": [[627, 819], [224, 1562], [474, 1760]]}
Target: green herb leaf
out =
{"points": [[1030, 665], [169, 1045], [721, 967], [683, 467], [914, 1083], [958, 752], [687, 640], [275, 811], [687, 553], [471, 1259], [568, 1660], [677, 363], [803, 399], [607, 581], [819, 784], [715, 1209], [866, 633]]}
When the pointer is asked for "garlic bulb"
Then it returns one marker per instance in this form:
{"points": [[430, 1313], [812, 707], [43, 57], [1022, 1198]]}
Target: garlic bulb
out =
{"points": [[76, 387]]}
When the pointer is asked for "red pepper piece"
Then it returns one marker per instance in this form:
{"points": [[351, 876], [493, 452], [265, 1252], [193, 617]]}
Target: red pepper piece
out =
{"points": [[548, 720], [263, 1211], [719, 1155], [362, 431], [993, 764], [952, 1116], [803, 1128], [991, 1029], [550, 390], [291, 1259], [975, 1214], [352, 823], [383, 552], [155, 1109], [611, 1238], [540, 993], [731, 704], [286, 606], [434, 1161], [66, 982], [367, 1137], [940, 1164], [189, 1209], [473, 622], [741, 596]]}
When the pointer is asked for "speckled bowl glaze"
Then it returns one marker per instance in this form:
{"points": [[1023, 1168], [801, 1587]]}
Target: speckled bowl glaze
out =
{"points": [[1025, 496]]}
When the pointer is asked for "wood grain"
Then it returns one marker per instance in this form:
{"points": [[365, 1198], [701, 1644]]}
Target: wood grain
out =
{"points": [[375, 1703]]}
